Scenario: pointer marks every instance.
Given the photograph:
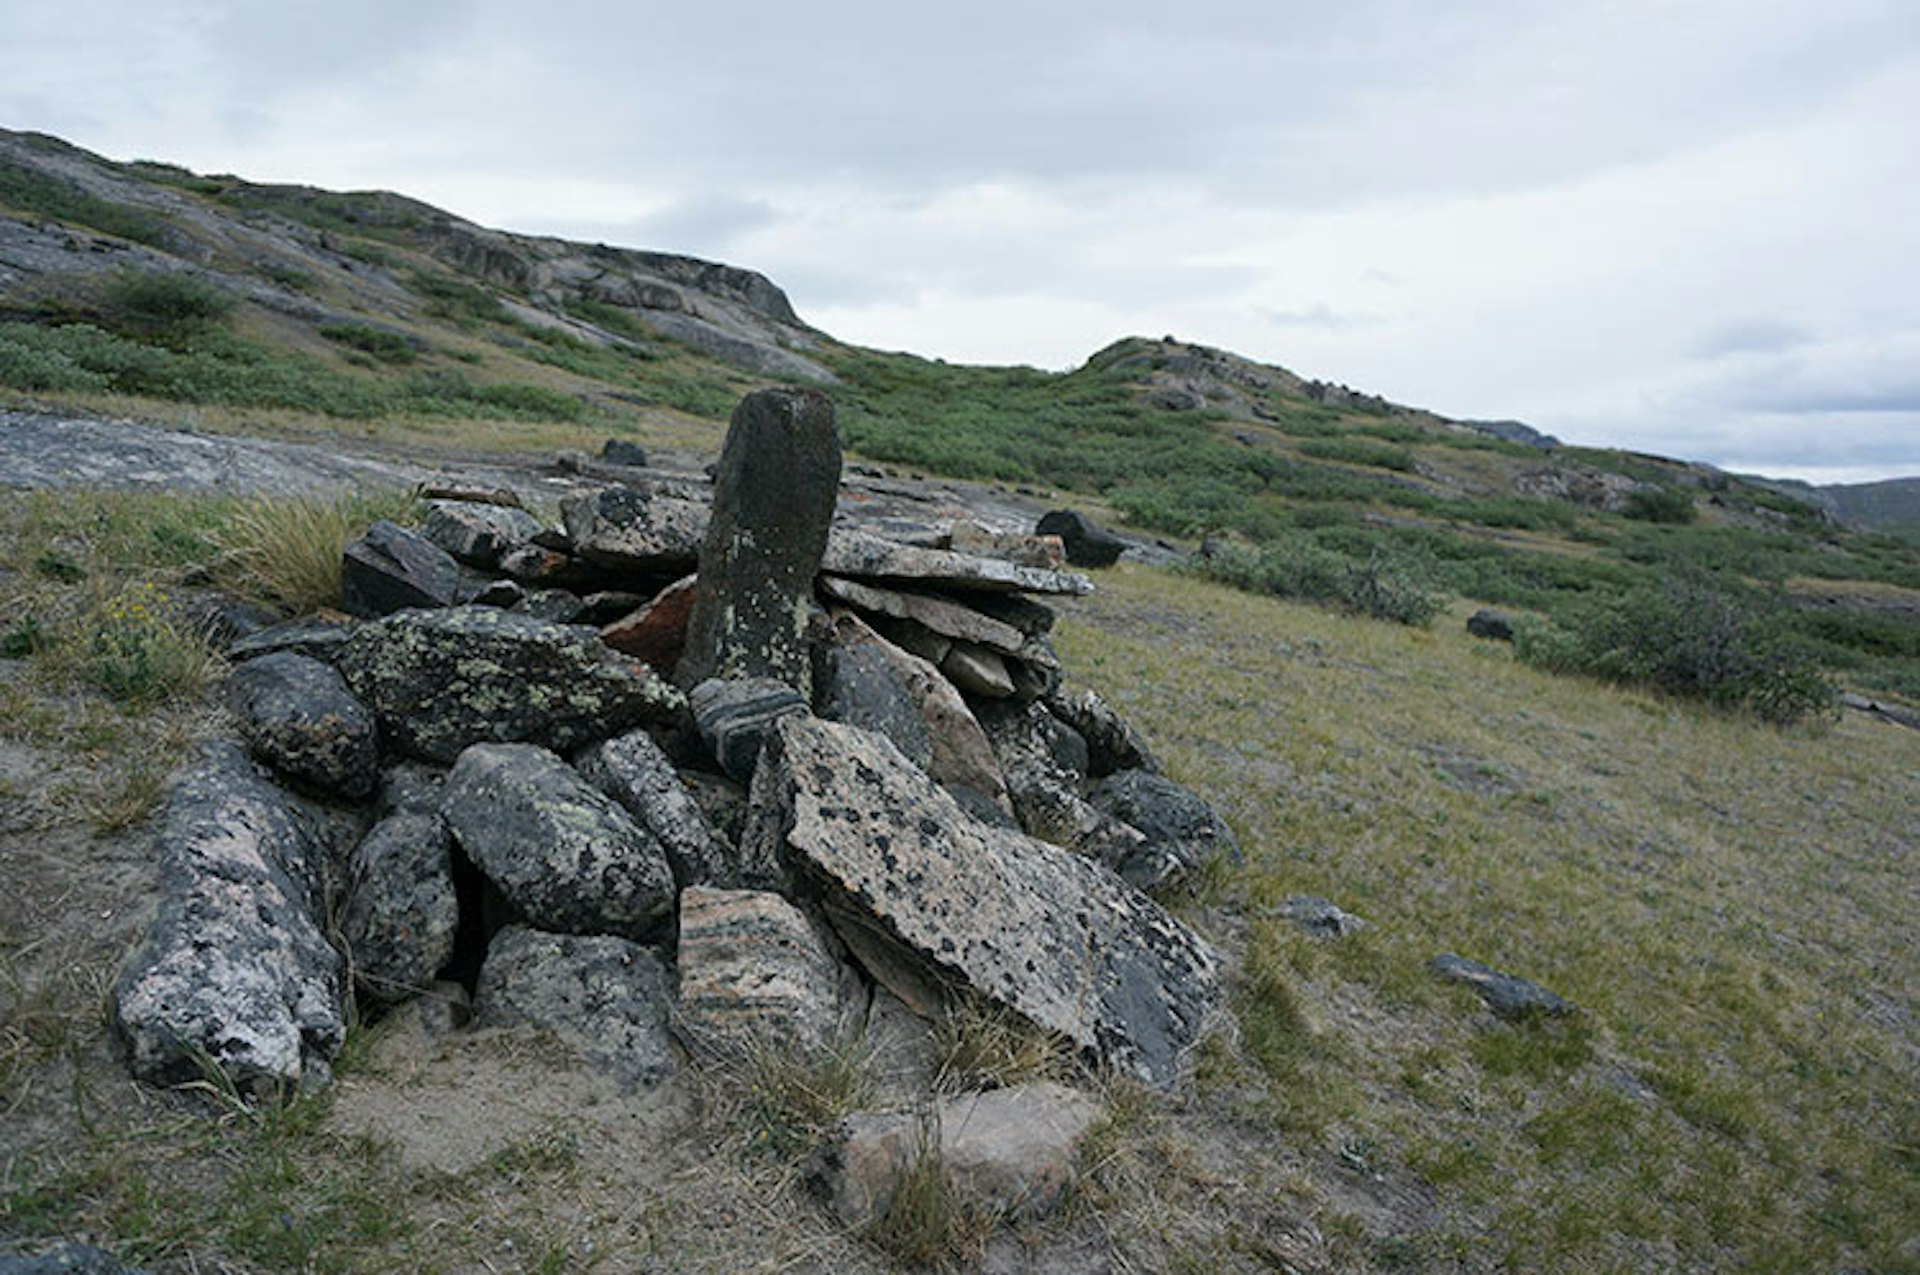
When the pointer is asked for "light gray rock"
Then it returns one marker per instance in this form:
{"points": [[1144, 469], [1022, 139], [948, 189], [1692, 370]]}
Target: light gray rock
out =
{"points": [[1510, 998], [753, 970], [390, 569], [1320, 918], [477, 534], [607, 998], [977, 671], [773, 501], [401, 912], [1059, 940], [862, 556], [440, 680], [235, 972], [1007, 1152], [734, 718], [564, 853], [298, 715], [634, 530], [948, 619], [633, 770]]}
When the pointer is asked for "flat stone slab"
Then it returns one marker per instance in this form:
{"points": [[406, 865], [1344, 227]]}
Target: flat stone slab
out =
{"points": [[869, 557], [1510, 998], [949, 619], [635, 531], [1056, 938]]}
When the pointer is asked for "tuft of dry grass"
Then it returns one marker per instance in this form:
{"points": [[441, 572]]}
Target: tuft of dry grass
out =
{"points": [[287, 552], [981, 1045]]}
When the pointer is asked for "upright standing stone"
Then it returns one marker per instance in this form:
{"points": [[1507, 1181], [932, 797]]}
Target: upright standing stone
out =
{"points": [[773, 503]]}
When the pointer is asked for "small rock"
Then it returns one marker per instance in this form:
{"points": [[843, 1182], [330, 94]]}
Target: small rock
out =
{"points": [[1490, 624], [478, 534], [1112, 743], [564, 854], [607, 998], [977, 671], [735, 717], [623, 451], [299, 717], [656, 633], [631, 530], [1510, 998], [1181, 828], [1045, 552], [1088, 544], [390, 569], [401, 911], [315, 636], [555, 606], [410, 788], [1321, 919]]}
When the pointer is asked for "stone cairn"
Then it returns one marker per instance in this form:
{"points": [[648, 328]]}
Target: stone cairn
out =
{"points": [[679, 775]]}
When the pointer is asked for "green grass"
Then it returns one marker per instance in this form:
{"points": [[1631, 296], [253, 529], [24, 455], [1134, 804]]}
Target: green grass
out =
{"points": [[29, 191]]}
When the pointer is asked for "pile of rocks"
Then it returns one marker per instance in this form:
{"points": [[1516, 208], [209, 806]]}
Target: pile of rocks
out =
{"points": [[678, 772]]}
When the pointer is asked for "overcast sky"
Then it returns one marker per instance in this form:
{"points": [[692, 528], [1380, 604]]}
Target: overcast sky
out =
{"points": [[1690, 227]]}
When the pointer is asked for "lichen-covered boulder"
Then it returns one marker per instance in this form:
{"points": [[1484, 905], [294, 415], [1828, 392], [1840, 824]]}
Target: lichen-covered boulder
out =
{"points": [[298, 715], [236, 973], [633, 770], [1055, 938], [606, 997], [563, 852], [401, 912], [773, 501], [441, 680]]}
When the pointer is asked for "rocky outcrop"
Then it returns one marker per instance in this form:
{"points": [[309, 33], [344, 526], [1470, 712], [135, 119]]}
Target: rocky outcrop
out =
{"points": [[236, 975], [1055, 938], [439, 681]]}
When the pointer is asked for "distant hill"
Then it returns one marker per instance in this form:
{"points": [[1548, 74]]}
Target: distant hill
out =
{"points": [[1892, 506]]}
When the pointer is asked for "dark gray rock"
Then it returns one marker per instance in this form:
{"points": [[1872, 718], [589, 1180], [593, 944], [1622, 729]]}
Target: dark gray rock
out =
{"points": [[607, 998], [556, 606], [298, 715], [1088, 544], [65, 1259], [319, 638], [1181, 828], [1055, 938], [563, 852], [390, 569], [860, 684], [1035, 619], [1112, 743], [235, 972], [441, 680], [1490, 624], [623, 451], [634, 771], [722, 802], [1046, 797], [401, 912], [410, 788], [735, 717], [478, 534], [635, 531], [773, 502], [1510, 998], [1321, 919]]}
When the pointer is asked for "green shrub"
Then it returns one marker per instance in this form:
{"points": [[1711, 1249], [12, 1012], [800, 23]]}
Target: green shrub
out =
{"points": [[286, 553], [32, 191], [1662, 504], [152, 304], [1359, 451], [1301, 569], [383, 344], [1693, 635]]}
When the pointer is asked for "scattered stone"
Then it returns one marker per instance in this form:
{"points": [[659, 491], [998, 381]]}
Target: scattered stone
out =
{"points": [[1180, 826], [1510, 998], [468, 494], [860, 684], [391, 568], [441, 680], [1055, 938], [623, 451], [1112, 743], [633, 770], [656, 633], [631, 530], [478, 534], [315, 636], [975, 670], [735, 717], [1007, 1152], [948, 619], [1088, 544], [562, 852], [1490, 624], [235, 972], [1321, 919], [604, 606], [605, 997], [297, 715], [868, 557], [773, 503], [753, 969], [401, 911]]}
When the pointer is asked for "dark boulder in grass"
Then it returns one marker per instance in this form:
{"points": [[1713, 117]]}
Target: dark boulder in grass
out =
{"points": [[1057, 939], [390, 569], [1492, 625], [236, 973], [1511, 998], [478, 534], [563, 852], [1183, 831], [299, 716], [1088, 544], [439, 681]]}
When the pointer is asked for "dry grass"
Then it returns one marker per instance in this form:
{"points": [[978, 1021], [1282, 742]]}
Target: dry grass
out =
{"points": [[1730, 904], [287, 552]]}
